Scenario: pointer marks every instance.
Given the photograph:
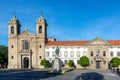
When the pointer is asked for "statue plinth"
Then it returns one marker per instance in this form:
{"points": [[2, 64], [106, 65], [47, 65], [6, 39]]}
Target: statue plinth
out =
{"points": [[57, 63]]}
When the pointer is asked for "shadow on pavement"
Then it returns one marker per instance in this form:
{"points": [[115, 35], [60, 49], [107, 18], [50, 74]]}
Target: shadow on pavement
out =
{"points": [[90, 76], [50, 75], [118, 73], [47, 76], [69, 70]]}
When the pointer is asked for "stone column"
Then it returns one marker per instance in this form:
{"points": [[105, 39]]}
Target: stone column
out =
{"points": [[30, 61], [20, 63]]}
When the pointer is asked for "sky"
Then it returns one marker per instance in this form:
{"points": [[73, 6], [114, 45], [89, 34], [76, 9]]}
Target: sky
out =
{"points": [[67, 19]]}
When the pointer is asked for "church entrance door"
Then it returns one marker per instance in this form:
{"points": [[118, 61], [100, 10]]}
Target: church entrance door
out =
{"points": [[26, 62]]}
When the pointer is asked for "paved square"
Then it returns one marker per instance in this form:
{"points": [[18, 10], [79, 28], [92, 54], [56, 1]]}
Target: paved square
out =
{"points": [[45, 75]]}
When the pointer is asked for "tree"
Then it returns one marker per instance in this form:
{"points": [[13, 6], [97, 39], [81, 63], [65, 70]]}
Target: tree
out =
{"points": [[115, 62], [45, 63], [84, 61], [3, 54], [71, 63]]}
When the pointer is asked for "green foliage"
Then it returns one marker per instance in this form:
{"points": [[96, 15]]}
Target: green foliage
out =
{"points": [[71, 63], [115, 62], [84, 61], [3, 54], [45, 63]]}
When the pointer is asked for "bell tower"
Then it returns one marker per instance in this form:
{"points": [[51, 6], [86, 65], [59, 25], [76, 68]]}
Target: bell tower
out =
{"points": [[13, 27], [13, 32], [41, 38], [41, 27]]}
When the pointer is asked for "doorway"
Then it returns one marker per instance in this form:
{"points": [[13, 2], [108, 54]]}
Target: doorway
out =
{"points": [[97, 64], [26, 62]]}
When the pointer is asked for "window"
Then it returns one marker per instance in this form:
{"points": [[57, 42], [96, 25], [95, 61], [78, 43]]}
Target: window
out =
{"points": [[12, 46], [104, 53], [104, 62], [65, 54], [47, 54], [78, 53], [91, 53], [91, 62], [84, 53], [12, 57], [53, 53], [118, 53], [26, 45], [40, 29], [40, 57], [111, 53], [12, 30], [72, 54]]}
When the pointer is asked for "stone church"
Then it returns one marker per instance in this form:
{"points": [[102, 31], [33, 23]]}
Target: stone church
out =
{"points": [[26, 50]]}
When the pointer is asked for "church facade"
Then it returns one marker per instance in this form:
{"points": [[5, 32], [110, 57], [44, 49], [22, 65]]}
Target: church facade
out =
{"points": [[26, 50]]}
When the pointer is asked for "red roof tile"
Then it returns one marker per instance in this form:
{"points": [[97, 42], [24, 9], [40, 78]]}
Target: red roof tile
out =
{"points": [[67, 42], [114, 42]]}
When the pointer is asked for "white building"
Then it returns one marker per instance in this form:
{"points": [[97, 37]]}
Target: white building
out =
{"points": [[99, 51]]}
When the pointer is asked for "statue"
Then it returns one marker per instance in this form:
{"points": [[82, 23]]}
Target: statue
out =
{"points": [[57, 63], [57, 52]]}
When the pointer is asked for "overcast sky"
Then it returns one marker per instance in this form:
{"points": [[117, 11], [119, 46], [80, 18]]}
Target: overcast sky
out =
{"points": [[67, 19]]}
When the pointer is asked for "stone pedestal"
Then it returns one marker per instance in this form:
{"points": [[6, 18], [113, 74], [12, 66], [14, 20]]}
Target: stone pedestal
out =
{"points": [[57, 65]]}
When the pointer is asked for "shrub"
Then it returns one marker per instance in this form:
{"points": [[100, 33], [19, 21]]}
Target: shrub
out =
{"points": [[84, 61]]}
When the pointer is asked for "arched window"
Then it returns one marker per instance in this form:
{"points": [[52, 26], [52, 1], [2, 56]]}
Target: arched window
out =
{"points": [[104, 53], [12, 30], [91, 53], [12, 57], [26, 45], [40, 29]]}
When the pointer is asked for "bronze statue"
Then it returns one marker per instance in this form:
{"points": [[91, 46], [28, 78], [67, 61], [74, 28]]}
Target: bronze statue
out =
{"points": [[57, 51]]}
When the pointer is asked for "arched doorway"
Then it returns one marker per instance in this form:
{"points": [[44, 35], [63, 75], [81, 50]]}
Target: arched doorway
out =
{"points": [[26, 62]]}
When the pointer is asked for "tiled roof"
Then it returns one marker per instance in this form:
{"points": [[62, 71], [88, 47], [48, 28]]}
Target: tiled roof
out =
{"points": [[113, 42], [67, 42]]}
